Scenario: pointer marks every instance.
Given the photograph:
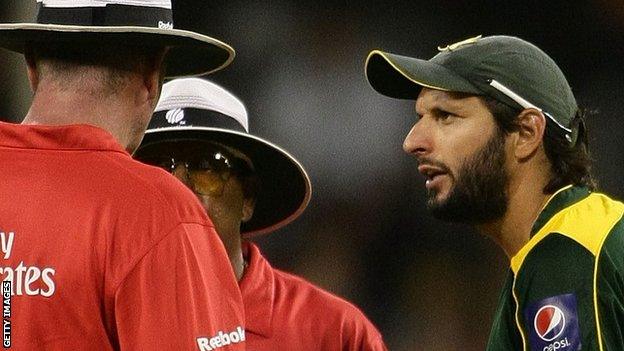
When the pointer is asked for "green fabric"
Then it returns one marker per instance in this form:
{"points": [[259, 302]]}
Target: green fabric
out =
{"points": [[611, 289], [559, 265], [504, 335]]}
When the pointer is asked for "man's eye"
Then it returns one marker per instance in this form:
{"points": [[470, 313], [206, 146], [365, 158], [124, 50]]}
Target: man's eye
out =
{"points": [[443, 115]]}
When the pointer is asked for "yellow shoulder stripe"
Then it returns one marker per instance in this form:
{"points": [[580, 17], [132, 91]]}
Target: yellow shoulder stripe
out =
{"points": [[587, 222]]}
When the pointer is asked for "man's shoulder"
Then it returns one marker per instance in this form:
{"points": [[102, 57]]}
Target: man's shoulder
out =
{"points": [[151, 187], [150, 206], [590, 221], [573, 240], [303, 311], [316, 300], [156, 181], [146, 203], [587, 222]]}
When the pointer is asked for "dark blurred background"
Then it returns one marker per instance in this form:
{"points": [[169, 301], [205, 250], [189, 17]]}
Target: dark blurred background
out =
{"points": [[366, 235]]}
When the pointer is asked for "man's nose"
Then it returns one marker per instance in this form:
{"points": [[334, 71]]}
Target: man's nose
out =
{"points": [[418, 141]]}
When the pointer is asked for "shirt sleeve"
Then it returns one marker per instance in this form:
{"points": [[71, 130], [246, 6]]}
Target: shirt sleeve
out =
{"points": [[554, 290], [610, 291], [374, 344], [362, 334], [182, 295]]}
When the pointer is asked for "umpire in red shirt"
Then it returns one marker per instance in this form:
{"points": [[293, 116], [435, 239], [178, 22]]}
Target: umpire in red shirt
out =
{"points": [[250, 186], [98, 251]]}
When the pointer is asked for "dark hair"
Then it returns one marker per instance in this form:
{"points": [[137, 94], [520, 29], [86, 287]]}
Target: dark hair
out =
{"points": [[570, 164]]}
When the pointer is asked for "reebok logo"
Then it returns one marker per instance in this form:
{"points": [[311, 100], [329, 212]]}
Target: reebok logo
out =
{"points": [[221, 339], [175, 116], [165, 25]]}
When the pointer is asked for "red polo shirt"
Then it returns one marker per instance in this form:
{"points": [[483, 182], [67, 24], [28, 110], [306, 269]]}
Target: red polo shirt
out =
{"points": [[285, 312], [105, 253]]}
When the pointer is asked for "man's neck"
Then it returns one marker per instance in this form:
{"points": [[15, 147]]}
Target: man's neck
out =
{"points": [[526, 201], [238, 264], [57, 107], [233, 245]]}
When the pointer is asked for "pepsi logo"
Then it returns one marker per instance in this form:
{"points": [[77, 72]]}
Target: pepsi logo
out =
{"points": [[175, 116], [549, 322]]}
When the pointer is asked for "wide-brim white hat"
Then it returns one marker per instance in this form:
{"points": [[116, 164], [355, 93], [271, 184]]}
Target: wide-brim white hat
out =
{"points": [[128, 22], [196, 109]]}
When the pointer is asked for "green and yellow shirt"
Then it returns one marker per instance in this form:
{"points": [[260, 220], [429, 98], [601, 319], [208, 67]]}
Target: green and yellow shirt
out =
{"points": [[565, 288]]}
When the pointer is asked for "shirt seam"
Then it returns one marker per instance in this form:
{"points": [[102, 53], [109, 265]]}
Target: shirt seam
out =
{"points": [[149, 250], [595, 292], [533, 241], [253, 275], [517, 314]]}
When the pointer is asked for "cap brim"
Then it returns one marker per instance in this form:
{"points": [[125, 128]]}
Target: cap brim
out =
{"points": [[190, 54], [285, 187], [403, 77]]}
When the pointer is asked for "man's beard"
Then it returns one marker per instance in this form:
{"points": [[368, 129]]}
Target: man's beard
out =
{"points": [[479, 195]]}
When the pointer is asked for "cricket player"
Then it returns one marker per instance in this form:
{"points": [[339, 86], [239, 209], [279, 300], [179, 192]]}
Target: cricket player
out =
{"points": [[250, 187], [502, 145], [98, 251]]}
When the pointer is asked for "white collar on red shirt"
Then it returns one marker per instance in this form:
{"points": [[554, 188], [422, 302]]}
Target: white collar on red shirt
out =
{"points": [[258, 290]]}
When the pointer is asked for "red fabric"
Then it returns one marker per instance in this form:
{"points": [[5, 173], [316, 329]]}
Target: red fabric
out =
{"points": [[285, 312], [124, 252]]}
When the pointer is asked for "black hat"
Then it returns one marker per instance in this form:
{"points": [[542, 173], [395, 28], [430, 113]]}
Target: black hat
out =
{"points": [[508, 69], [133, 22], [196, 109]]}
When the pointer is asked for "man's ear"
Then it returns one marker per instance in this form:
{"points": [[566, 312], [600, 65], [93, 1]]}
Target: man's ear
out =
{"points": [[249, 205], [31, 69], [531, 124], [154, 77]]}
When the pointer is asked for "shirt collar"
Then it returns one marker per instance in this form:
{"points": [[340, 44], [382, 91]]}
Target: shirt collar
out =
{"points": [[561, 199], [66, 137], [258, 291]]}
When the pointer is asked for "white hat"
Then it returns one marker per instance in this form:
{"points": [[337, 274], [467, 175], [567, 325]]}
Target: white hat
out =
{"points": [[196, 109]]}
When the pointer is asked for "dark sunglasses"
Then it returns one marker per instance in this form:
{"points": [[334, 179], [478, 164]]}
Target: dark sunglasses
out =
{"points": [[204, 167]]}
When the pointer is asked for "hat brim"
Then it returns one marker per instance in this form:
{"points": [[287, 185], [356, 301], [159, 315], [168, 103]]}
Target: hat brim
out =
{"points": [[190, 54], [403, 77], [285, 187]]}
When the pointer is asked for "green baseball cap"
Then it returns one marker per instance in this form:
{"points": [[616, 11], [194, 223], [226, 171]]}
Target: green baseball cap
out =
{"points": [[508, 69]]}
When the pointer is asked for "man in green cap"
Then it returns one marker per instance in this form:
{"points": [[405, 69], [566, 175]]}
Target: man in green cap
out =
{"points": [[503, 146]]}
